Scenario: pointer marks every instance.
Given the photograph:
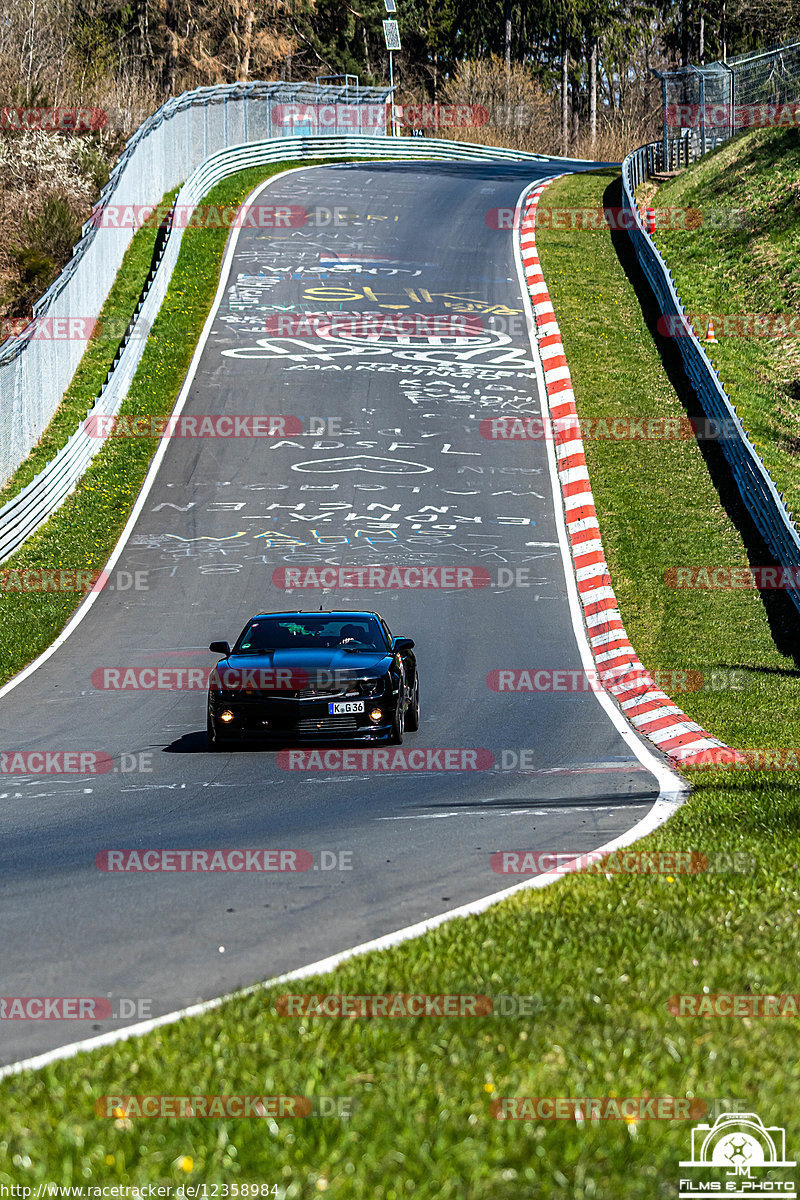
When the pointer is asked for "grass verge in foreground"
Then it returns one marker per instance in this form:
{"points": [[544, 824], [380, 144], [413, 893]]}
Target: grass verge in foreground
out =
{"points": [[601, 955], [82, 533]]}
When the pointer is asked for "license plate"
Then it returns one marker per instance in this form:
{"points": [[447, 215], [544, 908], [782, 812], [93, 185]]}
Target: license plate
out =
{"points": [[345, 706]]}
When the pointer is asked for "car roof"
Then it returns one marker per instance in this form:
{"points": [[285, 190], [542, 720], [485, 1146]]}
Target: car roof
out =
{"points": [[314, 612]]}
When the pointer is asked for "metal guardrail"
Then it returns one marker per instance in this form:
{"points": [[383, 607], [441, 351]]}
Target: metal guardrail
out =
{"points": [[28, 510], [670, 156], [759, 494]]}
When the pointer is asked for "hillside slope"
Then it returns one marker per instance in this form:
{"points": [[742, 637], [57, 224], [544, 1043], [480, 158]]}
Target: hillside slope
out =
{"points": [[742, 265]]}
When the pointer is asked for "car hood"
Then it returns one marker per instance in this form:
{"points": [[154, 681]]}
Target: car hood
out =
{"points": [[364, 662]]}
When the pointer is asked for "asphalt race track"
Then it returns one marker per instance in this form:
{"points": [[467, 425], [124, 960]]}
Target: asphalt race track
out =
{"points": [[401, 476]]}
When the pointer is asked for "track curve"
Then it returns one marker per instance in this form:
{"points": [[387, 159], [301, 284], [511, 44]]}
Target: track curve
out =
{"points": [[402, 476]]}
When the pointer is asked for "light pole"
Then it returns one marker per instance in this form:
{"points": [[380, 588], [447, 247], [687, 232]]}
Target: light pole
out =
{"points": [[391, 34]]}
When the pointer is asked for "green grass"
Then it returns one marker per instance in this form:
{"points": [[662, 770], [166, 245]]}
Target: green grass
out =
{"points": [[601, 955], [724, 268], [81, 535]]}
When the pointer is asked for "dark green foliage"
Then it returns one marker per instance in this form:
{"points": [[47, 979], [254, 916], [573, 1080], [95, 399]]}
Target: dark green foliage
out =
{"points": [[47, 244]]}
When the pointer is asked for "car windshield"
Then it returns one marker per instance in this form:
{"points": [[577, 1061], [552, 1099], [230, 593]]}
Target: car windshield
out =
{"points": [[322, 632]]}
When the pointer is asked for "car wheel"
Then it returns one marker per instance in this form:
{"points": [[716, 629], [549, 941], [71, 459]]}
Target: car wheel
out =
{"points": [[412, 716], [212, 736], [398, 725]]}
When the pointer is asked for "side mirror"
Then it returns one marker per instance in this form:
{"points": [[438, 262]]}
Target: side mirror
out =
{"points": [[220, 648], [401, 643]]}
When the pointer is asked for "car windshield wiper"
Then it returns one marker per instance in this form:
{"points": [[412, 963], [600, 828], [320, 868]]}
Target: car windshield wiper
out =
{"points": [[361, 649]]}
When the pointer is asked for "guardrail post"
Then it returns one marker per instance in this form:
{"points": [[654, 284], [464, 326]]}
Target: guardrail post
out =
{"points": [[731, 101]]}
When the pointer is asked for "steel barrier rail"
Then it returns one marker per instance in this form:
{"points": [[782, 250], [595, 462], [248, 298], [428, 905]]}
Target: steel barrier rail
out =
{"points": [[28, 510], [761, 498]]}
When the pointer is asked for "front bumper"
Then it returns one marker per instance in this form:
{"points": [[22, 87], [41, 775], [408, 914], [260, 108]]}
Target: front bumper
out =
{"points": [[302, 720]]}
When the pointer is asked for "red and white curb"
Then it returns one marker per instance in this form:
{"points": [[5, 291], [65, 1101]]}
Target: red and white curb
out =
{"points": [[648, 709]]}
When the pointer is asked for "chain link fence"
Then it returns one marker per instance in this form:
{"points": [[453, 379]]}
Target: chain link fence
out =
{"points": [[36, 367], [709, 104]]}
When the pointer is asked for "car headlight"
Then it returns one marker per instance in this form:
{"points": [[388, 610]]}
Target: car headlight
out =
{"points": [[365, 687]]}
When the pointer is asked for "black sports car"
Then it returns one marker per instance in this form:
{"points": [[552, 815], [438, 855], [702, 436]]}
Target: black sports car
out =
{"points": [[313, 676]]}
